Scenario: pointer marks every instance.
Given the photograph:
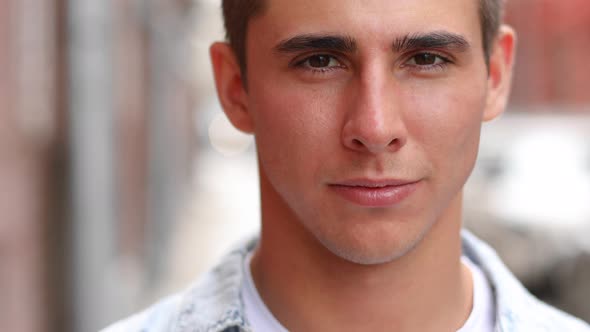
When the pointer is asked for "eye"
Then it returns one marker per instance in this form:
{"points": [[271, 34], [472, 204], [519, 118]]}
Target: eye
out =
{"points": [[320, 62], [427, 60]]}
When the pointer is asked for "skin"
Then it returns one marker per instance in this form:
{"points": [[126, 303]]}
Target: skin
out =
{"points": [[372, 112]]}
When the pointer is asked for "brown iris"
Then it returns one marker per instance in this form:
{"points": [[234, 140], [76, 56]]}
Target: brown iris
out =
{"points": [[319, 61], [425, 59]]}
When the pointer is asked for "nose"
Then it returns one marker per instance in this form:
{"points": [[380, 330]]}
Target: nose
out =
{"points": [[374, 121]]}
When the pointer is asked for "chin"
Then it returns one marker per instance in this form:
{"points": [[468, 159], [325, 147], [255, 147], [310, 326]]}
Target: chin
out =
{"points": [[382, 247]]}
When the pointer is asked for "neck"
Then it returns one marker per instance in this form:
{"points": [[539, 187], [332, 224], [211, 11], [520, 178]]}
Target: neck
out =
{"points": [[308, 288]]}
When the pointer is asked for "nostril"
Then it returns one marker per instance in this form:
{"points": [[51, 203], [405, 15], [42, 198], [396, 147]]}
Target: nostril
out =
{"points": [[357, 143], [397, 143]]}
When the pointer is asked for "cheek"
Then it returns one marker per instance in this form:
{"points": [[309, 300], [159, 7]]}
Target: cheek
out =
{"points": [[294, 125], [446, 123]]}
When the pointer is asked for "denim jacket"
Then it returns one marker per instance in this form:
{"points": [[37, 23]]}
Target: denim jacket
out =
{"points": [[214, 303]]}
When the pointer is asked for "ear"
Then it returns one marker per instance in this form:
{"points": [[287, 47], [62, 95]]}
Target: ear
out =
{"points": [[230, 86], [500, 72]]}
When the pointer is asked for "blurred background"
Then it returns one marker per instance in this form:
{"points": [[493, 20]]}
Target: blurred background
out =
{"points": [[122, 182]]}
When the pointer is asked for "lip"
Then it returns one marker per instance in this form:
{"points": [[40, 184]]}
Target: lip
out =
{"points": [[375, 193]]}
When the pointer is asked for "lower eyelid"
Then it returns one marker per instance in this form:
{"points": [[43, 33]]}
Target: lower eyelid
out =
{"points": [[321, 70], [429, 68]]}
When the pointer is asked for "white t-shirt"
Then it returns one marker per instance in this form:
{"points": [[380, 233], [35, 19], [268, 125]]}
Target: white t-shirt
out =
{"points": [[257, 313], [481, 319], [483, 313]]}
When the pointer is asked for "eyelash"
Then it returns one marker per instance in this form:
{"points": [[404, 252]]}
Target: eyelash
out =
{"points": [[302, 64], [445, 61]]}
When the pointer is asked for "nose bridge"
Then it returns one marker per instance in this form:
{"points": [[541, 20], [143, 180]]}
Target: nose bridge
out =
{"points": [[373, 97], [374, 121]]}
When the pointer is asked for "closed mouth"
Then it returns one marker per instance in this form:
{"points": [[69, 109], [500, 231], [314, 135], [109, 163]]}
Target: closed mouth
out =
{"points": [[375, 193]]}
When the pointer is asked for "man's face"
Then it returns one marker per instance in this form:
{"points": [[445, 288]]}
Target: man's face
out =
{"points": [[367, 116]]}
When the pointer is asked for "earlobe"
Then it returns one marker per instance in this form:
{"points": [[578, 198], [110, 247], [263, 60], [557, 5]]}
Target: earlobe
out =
{"points": [[500, 72], [230, 86]]}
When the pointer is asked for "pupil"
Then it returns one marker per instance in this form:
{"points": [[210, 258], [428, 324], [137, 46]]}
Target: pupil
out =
{"points": [[425, 59], [319, 61]]}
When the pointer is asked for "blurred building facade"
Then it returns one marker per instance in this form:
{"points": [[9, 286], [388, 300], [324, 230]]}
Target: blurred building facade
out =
{"points": [[551, 65], [90, 93], [30, 128], [94, 96]]}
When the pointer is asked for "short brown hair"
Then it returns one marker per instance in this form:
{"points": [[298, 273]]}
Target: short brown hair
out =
{"points": [[237, 14]]}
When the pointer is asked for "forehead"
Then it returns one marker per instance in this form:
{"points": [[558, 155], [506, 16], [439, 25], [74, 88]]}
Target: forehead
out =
{"points": [[367, 19]]}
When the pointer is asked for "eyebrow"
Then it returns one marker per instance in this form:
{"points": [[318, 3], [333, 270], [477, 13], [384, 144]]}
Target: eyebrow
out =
{"points": [[347, 44], [309, 42], [437, 39]]}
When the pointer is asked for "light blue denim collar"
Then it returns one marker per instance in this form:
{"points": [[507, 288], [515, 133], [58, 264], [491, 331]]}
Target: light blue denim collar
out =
{"points": [[214, 304], [516, 308]]}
